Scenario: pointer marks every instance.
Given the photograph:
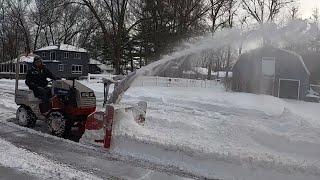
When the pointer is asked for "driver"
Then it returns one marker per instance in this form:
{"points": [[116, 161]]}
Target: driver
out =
{"points": [[36, 80]]}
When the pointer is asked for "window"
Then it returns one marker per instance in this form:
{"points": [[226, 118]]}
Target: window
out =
{"points": [[52, 55], [268, 66], [23, 69], [76, 69], [77, 56], [44, 55], [61, 67], [66, 55]]}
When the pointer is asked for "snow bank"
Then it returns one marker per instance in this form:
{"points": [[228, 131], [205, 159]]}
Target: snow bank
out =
{"points": [[310, 111], [214, 96], [155, 81], [192, 151], [218, 134]]}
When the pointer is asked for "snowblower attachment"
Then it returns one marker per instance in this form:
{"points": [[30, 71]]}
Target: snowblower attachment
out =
{"points": [[102, 122], [99, 125]]}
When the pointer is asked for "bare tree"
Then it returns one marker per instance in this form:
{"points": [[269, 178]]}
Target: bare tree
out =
{"points": [[18, 14], [264, 10], [2, 30], [294, 11], [112, 17], [315, 15], [216, 13], [231, 10]]}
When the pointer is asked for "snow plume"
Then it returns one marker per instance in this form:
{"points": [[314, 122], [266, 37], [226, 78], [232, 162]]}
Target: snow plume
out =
{"points": [[221, 39], [294, 33]]}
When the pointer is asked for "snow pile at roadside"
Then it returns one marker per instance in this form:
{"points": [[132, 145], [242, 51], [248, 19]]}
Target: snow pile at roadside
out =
{"points": [[216, 134], [217, 96], [199, 160], [23, 160], [310, 111]]}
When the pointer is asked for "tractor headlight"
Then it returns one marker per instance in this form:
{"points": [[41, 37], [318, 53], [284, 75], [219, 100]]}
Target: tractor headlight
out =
{"points": [[91, 94]]}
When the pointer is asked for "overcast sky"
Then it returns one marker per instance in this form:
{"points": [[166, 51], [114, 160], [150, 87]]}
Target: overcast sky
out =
{"points": [[307, 6]]}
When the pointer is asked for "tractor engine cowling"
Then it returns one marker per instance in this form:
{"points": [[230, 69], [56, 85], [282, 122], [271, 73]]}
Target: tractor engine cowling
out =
{"points": [[74, 93]]}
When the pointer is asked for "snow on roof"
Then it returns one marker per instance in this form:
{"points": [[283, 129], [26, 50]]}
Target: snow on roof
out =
{"points": [[48, 48], [201, 70], [94, 62], [189, 72], [52, 61], [222, 74], [26, 59], [105, 67], [100, 65], [63, 47]]}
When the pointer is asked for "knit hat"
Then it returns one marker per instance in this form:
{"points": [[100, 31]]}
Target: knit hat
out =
{"points": [[36, 59]]}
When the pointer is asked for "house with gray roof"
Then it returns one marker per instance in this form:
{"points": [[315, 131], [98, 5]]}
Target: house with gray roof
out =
{"points": [[65, 61]]}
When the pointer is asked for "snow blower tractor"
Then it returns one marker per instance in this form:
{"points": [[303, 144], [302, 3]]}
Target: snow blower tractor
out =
{"points": [[69, 107]]}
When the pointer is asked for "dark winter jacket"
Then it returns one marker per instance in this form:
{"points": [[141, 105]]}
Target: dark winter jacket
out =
{"points": [[38, 78]]}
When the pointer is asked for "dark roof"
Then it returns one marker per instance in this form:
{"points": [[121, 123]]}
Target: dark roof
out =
{"points": [[270, 49]]}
